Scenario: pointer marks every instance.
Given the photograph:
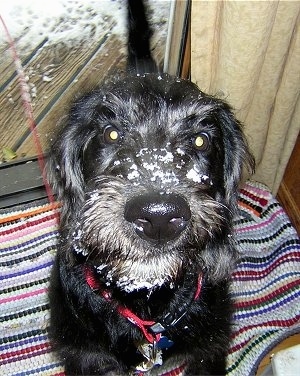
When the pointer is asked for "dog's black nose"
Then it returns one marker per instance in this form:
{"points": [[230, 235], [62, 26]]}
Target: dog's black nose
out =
{"points": [[158, 218]]}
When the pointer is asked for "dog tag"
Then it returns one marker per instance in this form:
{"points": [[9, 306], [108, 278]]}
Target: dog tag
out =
{"points": [[152, 354]]}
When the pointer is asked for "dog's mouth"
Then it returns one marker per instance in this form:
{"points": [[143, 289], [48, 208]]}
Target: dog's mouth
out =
{"points": [[158, 218], [131, 276]]}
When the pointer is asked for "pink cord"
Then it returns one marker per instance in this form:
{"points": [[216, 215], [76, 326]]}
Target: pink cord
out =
{"points": [[24, 90]]}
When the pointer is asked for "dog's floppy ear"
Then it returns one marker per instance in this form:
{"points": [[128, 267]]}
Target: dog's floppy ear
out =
{"points": [[238, 158], [64, 166]]}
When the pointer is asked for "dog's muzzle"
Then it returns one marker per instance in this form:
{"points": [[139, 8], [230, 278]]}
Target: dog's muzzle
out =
{"points": [[158, 218]]}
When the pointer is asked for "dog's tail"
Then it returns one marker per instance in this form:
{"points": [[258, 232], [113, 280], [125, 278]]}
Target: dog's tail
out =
{"points": [[139, 34]]}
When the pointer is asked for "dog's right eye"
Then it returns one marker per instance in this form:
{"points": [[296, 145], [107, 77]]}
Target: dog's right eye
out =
{"points": [[111, 135]]}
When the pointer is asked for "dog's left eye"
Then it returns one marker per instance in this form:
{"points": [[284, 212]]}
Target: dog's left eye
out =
{"points": [[201, 141], [111, 135]]}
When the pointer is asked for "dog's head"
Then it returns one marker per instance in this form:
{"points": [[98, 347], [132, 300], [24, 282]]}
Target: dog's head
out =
{"points": [[147, 169]]}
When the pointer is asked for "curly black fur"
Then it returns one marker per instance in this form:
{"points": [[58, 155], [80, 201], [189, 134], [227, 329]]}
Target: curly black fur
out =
{"points": [[160, 140]]}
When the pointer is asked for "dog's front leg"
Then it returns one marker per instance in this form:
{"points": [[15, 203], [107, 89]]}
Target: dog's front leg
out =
{"points": [[80, 362]]}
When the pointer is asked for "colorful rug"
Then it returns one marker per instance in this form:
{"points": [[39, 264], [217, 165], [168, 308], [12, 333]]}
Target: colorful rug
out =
{"points": [[265, 285], [266, 282]]}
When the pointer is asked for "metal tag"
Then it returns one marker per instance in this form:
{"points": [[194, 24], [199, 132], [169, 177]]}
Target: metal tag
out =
{"points": [[152, 354]]}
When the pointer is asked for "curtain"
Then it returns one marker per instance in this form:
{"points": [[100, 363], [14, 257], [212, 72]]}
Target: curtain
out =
{"points": [[248, 53]]}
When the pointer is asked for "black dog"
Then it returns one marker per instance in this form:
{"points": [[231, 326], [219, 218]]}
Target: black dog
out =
{"points": [[147, 169]]}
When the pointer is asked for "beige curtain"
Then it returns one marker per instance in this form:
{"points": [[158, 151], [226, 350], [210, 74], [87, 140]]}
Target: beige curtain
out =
{"points": [[248, 53]]}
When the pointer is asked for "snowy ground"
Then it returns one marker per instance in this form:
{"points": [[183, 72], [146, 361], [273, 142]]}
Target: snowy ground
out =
{"points": [[70, 21]]}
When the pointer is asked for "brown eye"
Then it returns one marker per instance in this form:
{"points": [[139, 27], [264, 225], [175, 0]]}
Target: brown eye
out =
{"points": [[111, 135], [201, 142]]}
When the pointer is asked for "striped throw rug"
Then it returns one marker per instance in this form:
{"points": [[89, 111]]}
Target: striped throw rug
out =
{"points": [[265, 285]]}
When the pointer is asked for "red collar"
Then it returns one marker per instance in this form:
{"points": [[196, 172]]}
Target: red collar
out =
{"points": [[152, 330]]}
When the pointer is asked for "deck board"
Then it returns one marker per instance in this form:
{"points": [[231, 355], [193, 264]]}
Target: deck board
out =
{"points": [[87, 79], [54, 75]]}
